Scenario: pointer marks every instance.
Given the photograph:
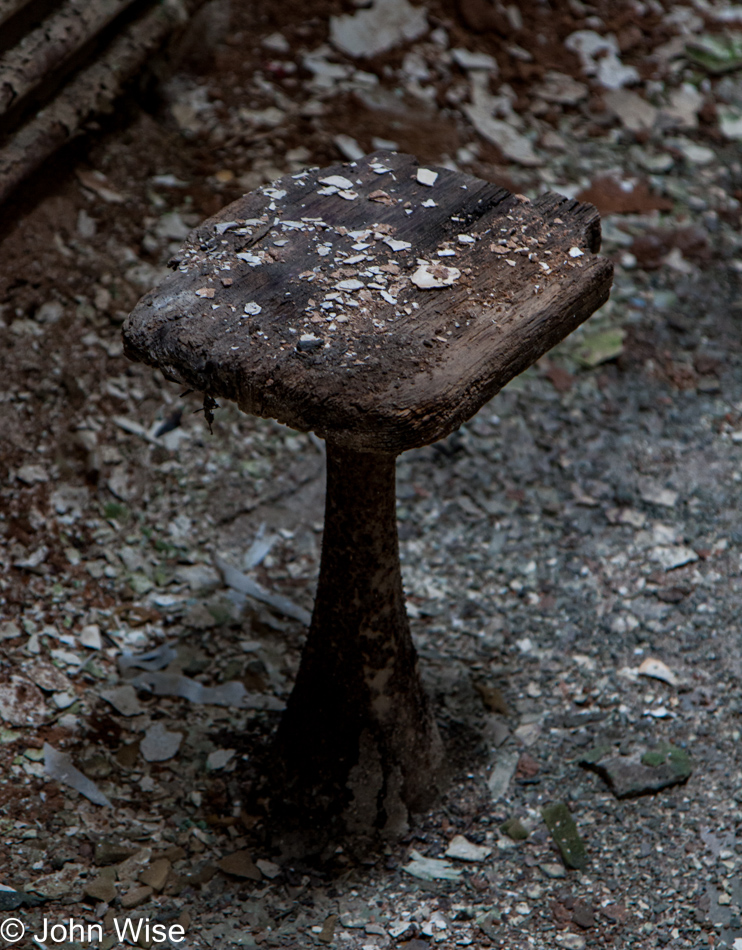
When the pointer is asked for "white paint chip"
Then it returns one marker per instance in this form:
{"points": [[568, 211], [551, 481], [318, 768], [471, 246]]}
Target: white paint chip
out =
{"points": [[575, 252], [396, 245], [433, 276], [336, 181], [426, 177], [657, 670], [252, 309], [350, 284]]}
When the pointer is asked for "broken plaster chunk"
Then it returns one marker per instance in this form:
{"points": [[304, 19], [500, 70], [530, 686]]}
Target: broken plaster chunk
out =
{"points": [[433, 276], [90, 637], [123, 699], [207, 292], [656, 669], [430, 869], [22, 702], [252, 309], [58, 766], [467, 60], [426, 177], [219, 758], [31, 474], [464, 850], [672, 556], [158, 744], [429, 203], [379, 28], [350, 284], [576, 252]]}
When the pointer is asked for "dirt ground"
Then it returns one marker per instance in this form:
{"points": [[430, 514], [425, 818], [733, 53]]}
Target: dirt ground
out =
{"points": [[571, 556]]}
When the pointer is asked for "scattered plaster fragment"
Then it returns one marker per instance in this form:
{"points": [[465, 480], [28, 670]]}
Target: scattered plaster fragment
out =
{"points": [[576, 252], [432, 276], [252, 309]]}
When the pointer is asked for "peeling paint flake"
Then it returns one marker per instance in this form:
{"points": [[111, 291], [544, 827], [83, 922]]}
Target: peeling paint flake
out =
{"points": [[396, 245], [225, 226], [250, 259], [336, 181], [252, 309], [426, 177], [576, 252]]}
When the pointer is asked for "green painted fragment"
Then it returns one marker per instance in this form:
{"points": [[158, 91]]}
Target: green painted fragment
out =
{"points": [[514, 829], [678, 759], [489, 923], [716, 54], [563, 830], [595, 754], [601, 347]]}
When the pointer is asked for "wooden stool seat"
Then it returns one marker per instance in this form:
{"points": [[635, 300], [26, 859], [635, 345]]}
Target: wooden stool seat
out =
{"points": [[379, 304]]}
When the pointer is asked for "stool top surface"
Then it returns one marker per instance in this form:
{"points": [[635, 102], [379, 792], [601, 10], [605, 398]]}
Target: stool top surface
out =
{"points": [[378, 303]]}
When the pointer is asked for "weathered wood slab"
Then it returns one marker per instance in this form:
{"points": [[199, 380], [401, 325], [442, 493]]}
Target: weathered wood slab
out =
{"points": [[47, 47], [301, 301], [88, 94]]}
